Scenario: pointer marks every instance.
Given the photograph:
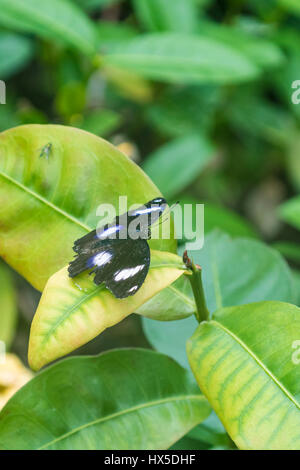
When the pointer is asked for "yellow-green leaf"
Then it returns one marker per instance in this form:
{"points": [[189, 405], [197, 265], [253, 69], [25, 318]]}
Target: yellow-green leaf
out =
{"points": [[8, 306], [246, 362], [73, 311], [46, 203]]}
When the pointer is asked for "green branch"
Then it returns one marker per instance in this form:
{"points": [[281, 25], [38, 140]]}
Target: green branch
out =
{"points": [[202, 313]]}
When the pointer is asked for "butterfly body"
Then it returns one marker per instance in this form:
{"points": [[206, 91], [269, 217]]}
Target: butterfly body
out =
{"points": [[118, 253]]}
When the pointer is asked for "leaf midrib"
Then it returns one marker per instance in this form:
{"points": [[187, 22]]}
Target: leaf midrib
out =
{"points": [[258, 361], [45, 201], [75, 307], [121, 413], [181, 295], [87, 297], [173, 61]]}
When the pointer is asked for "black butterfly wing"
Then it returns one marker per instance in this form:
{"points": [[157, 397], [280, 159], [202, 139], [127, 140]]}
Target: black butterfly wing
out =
{"points": [[127, 269], [85, 243], [93, 239], [121, 264]]}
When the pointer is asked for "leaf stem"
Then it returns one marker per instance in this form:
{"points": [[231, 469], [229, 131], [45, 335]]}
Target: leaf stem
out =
{"points": [[202, 313]]}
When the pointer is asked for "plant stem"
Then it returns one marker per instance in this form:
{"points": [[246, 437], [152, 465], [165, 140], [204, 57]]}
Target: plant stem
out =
{"points": [[202, 313]]}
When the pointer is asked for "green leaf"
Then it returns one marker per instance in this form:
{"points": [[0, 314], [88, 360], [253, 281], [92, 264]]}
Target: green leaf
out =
{"points": [[128, 85], [290, 5], [227, 221], [176, 164], [262, 52], [187, 443], [81, 404], [212, 432], [289, 250], [8, 117], [58, 20], [177, 300], [235, 271], [290, 212], [109, 33], [70, 99], [292, 158], [184, 110], [264, 120], [160, 15], [242, 271], [74, 311], [288, 39], [15, 53], [169, 337], [243, 362], [8, 306], [101, 122], [54, 200], [181, 58], [296, 276], [91, 5], [172, 303], [215, 217]]}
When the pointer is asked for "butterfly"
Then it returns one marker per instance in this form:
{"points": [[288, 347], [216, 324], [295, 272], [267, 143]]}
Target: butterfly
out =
{"points": [[118, 253]]}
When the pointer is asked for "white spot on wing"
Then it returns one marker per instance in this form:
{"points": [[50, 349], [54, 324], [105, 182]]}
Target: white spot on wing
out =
{"points": [[109, 231], [147, 210], [128, 272], [102, 258], [133, 289]]}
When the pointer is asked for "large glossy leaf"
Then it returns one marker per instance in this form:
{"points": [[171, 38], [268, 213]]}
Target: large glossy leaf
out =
{"points": [[45, 204], [72, 312], [123, 399], [173, 166], [290, 212], [182, 58], [8, 306], [59, 20], [235, 271], [15, 52], [160, 15], [243, 363]]}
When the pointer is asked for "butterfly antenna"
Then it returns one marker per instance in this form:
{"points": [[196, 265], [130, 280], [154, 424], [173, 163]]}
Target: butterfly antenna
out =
{"points": [[160, 222]]}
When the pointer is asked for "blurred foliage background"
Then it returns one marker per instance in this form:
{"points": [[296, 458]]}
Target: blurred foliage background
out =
{"points": [[197, 92]]}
